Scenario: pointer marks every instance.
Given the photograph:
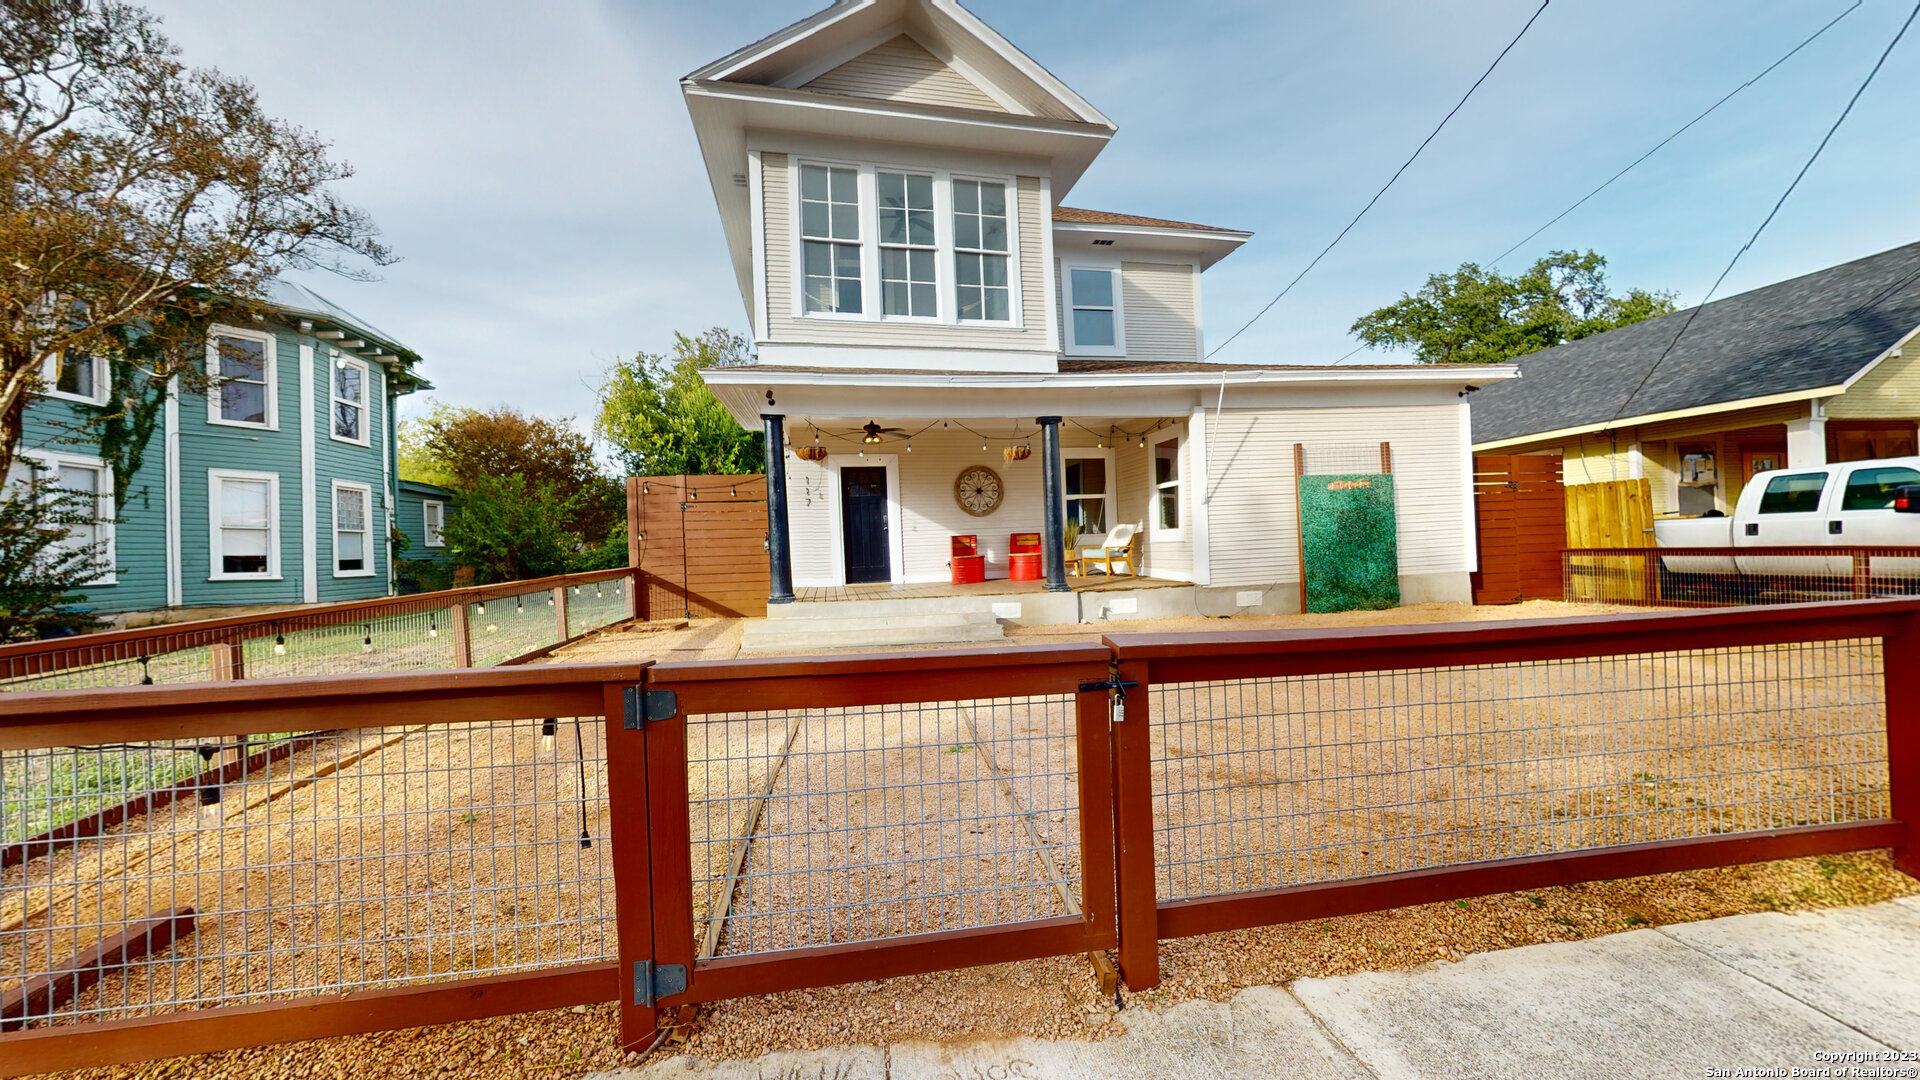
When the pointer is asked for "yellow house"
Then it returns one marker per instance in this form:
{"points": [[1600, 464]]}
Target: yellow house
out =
{"points": [[1820, 368]]}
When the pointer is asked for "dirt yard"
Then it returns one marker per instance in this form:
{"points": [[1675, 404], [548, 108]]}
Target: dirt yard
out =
{"points": [[852, 824]]}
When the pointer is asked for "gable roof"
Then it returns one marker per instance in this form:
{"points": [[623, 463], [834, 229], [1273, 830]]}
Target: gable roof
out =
{"points": [[1806, 337]]}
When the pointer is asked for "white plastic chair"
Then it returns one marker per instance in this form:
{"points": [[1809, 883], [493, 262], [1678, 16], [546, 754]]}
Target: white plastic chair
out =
{"points": [[1121, 545]]}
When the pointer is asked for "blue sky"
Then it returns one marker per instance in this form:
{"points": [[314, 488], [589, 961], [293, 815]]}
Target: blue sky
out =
{"points": [[534, 167]]}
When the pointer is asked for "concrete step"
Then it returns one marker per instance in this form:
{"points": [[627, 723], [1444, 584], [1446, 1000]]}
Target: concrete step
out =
{"points": [[838, 631], [891, 605]]}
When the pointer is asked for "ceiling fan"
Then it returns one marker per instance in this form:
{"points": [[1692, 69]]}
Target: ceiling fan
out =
{"points": [[873, 432]]}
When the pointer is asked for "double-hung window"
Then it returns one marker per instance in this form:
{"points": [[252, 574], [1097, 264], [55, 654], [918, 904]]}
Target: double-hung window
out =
{"points": [[830, 238], [82, 487], [350, 400], [76, 376], [245, 512], [1166, 486], [352, 529], [1086, 496], [908, 250], [433, 523], [1093, 305], [240, 363], [981, 252]]}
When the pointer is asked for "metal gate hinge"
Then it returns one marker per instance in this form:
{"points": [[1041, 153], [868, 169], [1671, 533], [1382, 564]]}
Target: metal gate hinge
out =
{"points": [[645, 706], [651, 981]]}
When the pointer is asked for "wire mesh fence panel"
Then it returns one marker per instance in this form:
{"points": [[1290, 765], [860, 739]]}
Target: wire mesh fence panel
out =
{"points": [[1710, 577], [828, 826], [354, 859], [408, 641], [510, 626], [590, 607], [1263, 783], [121, 665]]}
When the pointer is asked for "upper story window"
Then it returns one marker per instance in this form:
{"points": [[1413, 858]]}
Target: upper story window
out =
{"points": [[241, 363], [830, 237], [433, 522], [350, 400], [76, 377], [908, 248], [1093, 311], [981, 251]]}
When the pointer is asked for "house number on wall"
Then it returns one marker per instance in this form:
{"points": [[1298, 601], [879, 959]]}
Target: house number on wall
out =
{"points": [[978, 490]]}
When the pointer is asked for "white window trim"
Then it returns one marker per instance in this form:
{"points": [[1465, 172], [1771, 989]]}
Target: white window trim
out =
{"points": [[430, 536], [50, 461], [1154, 531], [943, 272], [270, 352], [335, 361], [1074, 348], [50, 379], [215, 477], [1070, 453], [333, 527]]}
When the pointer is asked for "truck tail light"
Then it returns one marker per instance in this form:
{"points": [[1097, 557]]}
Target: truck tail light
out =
{"points": [[1906, 499]]}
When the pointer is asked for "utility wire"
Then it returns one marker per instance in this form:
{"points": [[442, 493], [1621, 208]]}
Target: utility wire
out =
{"points": [[1681, 130], [1768, 220], [1383, 190]]}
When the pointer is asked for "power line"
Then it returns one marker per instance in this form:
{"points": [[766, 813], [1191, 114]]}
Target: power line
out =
{"points": [[1768, 220], [1681, 130], [1383, 190]]}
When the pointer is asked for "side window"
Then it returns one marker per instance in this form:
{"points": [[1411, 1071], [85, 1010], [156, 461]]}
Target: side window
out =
{"points": [[1872, 489], [1795, 493]]}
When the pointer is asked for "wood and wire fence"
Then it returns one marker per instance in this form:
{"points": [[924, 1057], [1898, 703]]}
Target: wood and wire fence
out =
{"points": [[1678, 577], [459, 844]]}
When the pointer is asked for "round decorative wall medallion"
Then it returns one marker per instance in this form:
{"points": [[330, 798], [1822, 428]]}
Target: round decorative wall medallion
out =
{"points": [[978, 490]]}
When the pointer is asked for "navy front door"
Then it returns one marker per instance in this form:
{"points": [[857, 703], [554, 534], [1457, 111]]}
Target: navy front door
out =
{"points": [[863, 524]]}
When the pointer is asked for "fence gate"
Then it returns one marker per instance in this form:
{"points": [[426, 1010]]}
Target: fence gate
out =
{"points": [[1520, 512], [700, 543], [821, 821]]}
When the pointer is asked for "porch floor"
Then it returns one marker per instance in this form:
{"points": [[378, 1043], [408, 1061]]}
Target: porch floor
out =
{"points": [[991, 587]]}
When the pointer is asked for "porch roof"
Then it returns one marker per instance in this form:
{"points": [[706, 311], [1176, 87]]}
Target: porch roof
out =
{"points": [[1079, 388]]}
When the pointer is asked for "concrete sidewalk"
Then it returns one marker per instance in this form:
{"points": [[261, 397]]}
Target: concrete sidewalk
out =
{"points": [[1834, 990]]}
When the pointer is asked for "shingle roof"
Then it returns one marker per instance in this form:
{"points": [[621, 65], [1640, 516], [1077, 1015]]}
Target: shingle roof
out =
{"points": [[1809, 332], [1102, 217]]}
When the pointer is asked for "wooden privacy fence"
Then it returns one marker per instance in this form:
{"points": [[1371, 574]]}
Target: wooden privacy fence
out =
{"points": [[1520, 515], [732, 828], [700, 543]]}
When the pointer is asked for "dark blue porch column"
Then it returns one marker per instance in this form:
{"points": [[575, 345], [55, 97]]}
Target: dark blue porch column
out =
{"points": [[779, 553], [1053, 533]]}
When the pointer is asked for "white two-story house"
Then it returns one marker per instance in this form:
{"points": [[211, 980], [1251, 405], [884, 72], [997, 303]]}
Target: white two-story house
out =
{"points": [[945, 349]]}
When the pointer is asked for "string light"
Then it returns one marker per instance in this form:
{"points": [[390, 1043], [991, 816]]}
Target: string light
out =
{"points": [[210, 793], [366, 643], [146, 675], [480, 608], [433, 628], [519, 604], [279, 644], [548, 728]]}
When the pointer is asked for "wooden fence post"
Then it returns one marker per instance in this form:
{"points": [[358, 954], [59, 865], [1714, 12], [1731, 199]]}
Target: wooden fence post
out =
{"points": [[226, 662], [1899, 659], [462, 639], [560, 609], [632, 852], [1134, 871]]}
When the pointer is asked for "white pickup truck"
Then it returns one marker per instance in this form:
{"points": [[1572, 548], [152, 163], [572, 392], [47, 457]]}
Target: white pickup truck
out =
{"points": [[1855, 504]]}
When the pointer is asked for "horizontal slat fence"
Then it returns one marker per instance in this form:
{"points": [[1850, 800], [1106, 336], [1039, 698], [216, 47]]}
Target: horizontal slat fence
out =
{"points": [[1677, 577], [457, 844], [700, 544]]}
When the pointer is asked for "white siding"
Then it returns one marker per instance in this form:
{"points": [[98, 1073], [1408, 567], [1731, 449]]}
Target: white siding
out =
{"points": [[1253, 519], [901, 70], [1158, 300], [785, 326]]}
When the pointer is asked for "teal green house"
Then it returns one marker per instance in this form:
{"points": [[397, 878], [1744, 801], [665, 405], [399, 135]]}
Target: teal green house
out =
{"points": [[276, 486], [420, 515]]}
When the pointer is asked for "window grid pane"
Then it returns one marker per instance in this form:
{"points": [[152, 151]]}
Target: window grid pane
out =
{"points": [[981, 247], [241, 364], [350, 529], [830, 211], [907, 249]]}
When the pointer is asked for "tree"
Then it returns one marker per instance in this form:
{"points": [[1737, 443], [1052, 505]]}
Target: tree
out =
{"points": [[41, 570], [664, 421], [460, 447], [509, 528], [140, 200], [1477, 315]]}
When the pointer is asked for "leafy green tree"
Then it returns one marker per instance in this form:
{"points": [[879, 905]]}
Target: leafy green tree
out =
{"points": [[663, 420], [510, 528], [456, 447], [41, 571], [1477, 315]]}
